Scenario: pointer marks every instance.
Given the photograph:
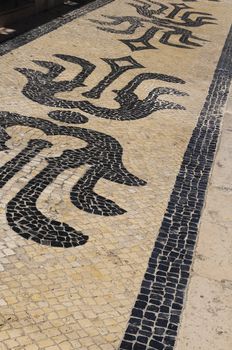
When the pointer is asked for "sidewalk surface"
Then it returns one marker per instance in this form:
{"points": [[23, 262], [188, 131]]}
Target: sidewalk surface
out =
{"points": [[115, 186]]}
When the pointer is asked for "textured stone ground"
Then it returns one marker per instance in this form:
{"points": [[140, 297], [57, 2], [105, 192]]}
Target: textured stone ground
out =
{"points": [[111, 94]]}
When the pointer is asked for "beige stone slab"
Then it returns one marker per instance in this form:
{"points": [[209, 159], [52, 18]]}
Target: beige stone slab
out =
{"points": [[213, 254], [206, 322], [222, 178]]}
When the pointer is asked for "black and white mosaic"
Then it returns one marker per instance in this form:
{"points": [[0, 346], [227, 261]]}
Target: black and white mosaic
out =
{"points": [[155, 317], [103, 155], [170, 22], [42, 88]]}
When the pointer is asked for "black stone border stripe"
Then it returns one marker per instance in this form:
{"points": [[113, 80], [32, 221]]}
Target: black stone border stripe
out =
{"points": [[155, 317], [50, 26]]}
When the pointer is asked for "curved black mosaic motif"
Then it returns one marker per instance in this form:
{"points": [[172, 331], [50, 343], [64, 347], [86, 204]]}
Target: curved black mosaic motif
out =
{"points": [[42, 88], [170, 21], [141, 43], [155, 317], [103, 154], [69, 117], [33, 148]]}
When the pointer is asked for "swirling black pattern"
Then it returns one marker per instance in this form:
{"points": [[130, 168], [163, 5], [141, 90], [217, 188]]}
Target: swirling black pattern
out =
{"points": [[42, 89], [103, 154], [171, 21]]}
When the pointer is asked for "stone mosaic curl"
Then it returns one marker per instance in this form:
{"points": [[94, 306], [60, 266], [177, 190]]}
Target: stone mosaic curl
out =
{"points": [[103, 154], [42, 88], [172, 21]]}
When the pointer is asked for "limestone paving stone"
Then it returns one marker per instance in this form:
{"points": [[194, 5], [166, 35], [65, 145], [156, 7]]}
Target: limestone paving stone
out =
{"points": [[97, 111], [210, 305]]}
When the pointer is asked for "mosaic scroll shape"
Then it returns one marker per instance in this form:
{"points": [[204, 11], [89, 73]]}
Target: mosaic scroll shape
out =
{"points": [[42, 88], [172, 22], [103, 155]]}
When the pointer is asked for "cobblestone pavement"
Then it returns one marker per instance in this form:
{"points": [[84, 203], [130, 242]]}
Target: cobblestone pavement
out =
{"points": [[109, 122]]}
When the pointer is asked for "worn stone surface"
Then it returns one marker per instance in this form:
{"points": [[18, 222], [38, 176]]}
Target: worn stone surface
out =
{"points": [[206, 323], [81, 297]]}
